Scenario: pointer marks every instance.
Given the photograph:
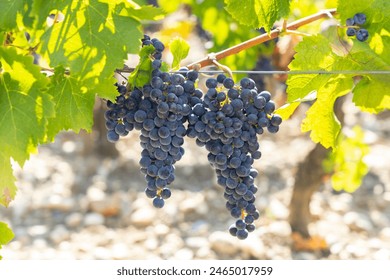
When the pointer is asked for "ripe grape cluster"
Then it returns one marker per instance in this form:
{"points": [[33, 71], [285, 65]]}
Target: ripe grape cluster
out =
{"points": [[227, 123], [226, 120], [355, 29]]}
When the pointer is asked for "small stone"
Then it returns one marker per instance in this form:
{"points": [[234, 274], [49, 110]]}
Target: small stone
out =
{"points": [[379, 219], [385, 234], [357, 251], [304, 256], [59, 234], [93, 219], [57, 202], [383, 254], [120, 251], [196, 242], [109, 207], [143, 217], [358, 221], [184, 254], [101, 253], [223, 243], [38, 230], [161, 229], [194, 204], [96, 194], [280, 228], [151, 244], [74, 220], [253, 246], [341, 203], [205, 253], [278, 209]]}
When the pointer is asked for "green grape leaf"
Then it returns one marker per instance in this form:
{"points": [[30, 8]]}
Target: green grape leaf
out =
{"points": [[141, 74], [9, 9], [6, 234], [73, 104], [347, 161], [148, 12], [315, 53], [288, 109], [179, 49], [371, 94], [258, 13], [25, 108], [320, 118], [94, 38]]}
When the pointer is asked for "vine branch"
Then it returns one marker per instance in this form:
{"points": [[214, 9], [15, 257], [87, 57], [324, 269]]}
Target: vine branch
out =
{"points": [[262, 38]]}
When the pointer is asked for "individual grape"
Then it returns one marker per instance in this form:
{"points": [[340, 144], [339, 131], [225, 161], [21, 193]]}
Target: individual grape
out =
{"points": [[228, 83], [221, 78], [156, 64], [158, 202], [351, 31], [362, 35], [211, 83], [192, 75], [276, 120], [359, 19], [233, 230], [112, 136], [158, 45], [242, 234], [350, 22], [166, 193]]}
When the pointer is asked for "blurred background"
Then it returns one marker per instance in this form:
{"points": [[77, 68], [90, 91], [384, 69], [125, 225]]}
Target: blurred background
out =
{"points": [[83, 198]]}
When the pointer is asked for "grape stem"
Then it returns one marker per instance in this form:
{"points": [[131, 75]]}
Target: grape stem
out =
{"points": [[263, 38], [225, 69]]}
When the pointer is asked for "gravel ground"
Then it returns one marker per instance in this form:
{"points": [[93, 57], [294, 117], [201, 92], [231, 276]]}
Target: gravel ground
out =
{"points": [[73, 205]]}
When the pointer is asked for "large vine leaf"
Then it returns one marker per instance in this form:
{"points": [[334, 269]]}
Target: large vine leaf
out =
{"points": [[88, 37], [320, 53], [25, 109], [94, 38], [258, 13], [315, 53], [371, 94], [73, 104]]}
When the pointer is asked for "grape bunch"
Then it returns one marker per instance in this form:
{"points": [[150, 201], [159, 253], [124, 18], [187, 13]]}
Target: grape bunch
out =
{"points": [[226, 120], [227, 123], [354, 27], [158, 110]]}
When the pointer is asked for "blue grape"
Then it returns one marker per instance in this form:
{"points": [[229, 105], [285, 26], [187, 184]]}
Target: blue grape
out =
{"points": [[158, 202], [362, 35], [112, 136], [351, 31], [359, 19]]}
